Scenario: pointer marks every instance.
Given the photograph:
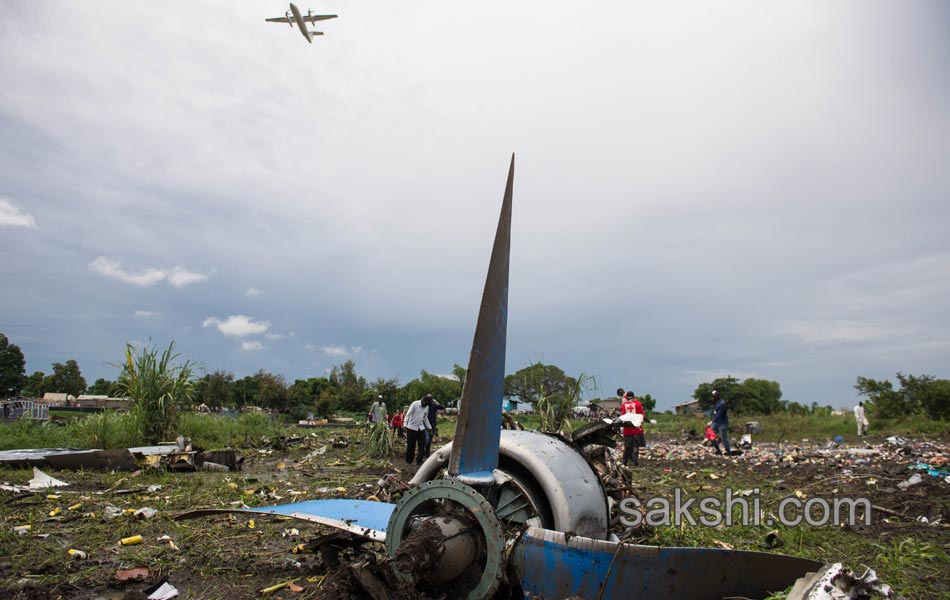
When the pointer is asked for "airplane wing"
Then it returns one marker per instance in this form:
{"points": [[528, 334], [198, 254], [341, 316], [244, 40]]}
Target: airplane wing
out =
{"points": [[279, 20], [315, 18]]}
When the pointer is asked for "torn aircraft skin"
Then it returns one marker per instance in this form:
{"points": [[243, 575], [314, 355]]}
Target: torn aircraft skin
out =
{"points": [[525, 510]]}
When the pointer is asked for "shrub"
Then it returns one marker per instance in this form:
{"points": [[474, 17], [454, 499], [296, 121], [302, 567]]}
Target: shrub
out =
{"points": [[156, 387]]}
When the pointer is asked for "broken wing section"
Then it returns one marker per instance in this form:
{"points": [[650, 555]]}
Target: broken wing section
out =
{"points": [[583, 565], [361, 517]]}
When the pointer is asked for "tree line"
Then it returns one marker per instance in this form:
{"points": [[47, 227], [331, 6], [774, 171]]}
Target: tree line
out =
{"points": [[546, 386], [921, 395]]}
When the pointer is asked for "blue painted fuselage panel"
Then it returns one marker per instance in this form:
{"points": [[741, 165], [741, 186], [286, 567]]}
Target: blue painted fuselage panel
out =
{"points": [[360, 513]]}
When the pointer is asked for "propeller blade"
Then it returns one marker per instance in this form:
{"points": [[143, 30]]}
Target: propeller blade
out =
{"points": [[475, 448], [362, 517], [554, 565]]}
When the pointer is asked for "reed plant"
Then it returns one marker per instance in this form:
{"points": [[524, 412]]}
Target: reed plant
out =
{"points": [[157, 386]]}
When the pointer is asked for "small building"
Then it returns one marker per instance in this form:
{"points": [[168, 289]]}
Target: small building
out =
{"points": [[688, 408], [513, 404], [57, 399], [101, 401]]}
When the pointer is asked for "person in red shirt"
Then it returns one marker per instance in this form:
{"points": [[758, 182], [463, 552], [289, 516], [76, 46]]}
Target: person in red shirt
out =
{"points": [[633, 438], [396, 423]]}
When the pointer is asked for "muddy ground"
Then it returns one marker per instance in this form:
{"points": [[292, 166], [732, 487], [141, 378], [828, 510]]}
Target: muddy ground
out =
{"points": [[229, 557]]}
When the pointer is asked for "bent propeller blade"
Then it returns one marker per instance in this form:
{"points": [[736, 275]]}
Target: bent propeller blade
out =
{"points": [[554, 565], [475, 446]]}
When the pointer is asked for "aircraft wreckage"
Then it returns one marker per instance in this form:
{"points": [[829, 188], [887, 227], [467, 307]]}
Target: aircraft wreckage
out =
{"points": [[523, 512]]}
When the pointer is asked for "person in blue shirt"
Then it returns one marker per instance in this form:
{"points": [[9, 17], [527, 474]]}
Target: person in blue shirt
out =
{"points": [[720, 423]]}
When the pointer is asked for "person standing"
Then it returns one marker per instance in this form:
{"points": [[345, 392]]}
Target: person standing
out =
{"points": [[416, 424], [396, 423], [433, 414], [720, 423], [633, 438], [377, 412], [861, 418]]}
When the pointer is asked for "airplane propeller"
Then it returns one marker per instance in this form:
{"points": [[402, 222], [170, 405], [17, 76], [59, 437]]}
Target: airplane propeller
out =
{"points": [[524, 508]]}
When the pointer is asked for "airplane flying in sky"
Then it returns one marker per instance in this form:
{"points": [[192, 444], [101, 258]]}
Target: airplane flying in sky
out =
{"points": [[293, 16]]}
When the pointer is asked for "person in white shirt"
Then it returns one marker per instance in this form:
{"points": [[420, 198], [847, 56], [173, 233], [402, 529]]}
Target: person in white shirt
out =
{"points": [[416, 423], [377, 412], [861, 418]]}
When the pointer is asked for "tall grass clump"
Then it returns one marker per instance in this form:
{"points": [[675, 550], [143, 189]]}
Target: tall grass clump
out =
{"points": [[156, 386], [106, 430], [380, 439]]}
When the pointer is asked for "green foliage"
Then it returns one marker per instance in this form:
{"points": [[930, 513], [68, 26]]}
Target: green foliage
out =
{"points": [[648, 402], [350, 386], [271, 391], [216, 431], [12, 368], [101, 387], [724, 385], [443, 389], [34, 386], [927, 395], [537, 380], [918, 395], [900, 555], [758, 396], [26, 433], [460, 372], [66, 379], [324, 407], [107, 430], [214, 389], [157, 388], [380, 439]]}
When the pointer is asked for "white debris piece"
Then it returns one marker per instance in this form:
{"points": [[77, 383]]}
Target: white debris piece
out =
{"points": [[166, 591], [41, 481], [914, 480], [839, 583]]}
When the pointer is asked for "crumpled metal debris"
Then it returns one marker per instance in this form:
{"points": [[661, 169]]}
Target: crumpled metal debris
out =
{"points": [[839, 583], [42, 481]]}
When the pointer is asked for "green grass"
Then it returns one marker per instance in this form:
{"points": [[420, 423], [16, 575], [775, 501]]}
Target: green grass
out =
{"points": [[788, 427], [120, 430]]}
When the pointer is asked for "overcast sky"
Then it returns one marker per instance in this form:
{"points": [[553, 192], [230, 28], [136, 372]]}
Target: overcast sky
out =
{"points": [[702, 188]]}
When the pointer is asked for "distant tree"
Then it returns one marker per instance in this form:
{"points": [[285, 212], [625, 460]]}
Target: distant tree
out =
{"points": [[538, 379], [884, 401], [757, 396], [214, 389], [12, 368], [350, 386], [34, 386], [648, 402], [101, 387], [244, 391], [387, 388], [271, 391], [66, 379], [444, 389], [723, 385], [926, 394], [460, 372]]}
